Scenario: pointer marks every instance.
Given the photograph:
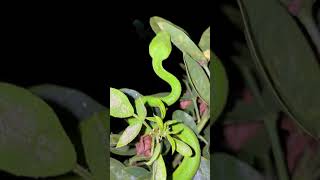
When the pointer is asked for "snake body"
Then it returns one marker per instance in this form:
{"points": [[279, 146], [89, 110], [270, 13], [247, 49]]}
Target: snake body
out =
{"points": [[160, 49]]}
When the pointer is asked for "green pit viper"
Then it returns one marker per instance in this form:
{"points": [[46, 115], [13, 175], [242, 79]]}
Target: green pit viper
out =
{"points": [[160, 49]]}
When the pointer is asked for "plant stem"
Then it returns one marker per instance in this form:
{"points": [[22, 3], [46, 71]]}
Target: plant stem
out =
{"points": [[271, 126], [205, 67], [82, 172], [202, 123], [194, 101]]}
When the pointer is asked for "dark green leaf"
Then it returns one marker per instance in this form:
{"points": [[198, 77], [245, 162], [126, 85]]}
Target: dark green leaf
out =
{"points": [[79, 104], [32, 141], [219, 89], [285, 60], [226, 167], [95, 142], [138, 172]]}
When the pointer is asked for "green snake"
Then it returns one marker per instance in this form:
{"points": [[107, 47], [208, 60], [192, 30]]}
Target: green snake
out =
{"points": [[160, 49]]}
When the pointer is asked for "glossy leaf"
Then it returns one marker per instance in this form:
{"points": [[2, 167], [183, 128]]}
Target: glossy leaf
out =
{"points": [[198, 78], [281, 56], [185, 118], [183, 148], [32, 140], [226, 167], [120, 106], [178, 37], [203, 172], [95, 143], [159, 171], [130, 132], [79, 104]]}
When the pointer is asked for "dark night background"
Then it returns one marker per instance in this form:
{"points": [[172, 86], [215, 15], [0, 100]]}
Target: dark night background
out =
{"points": [[91, 52]]}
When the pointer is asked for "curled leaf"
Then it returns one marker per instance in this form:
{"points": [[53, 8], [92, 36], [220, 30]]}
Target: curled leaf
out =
{"points": [[130, 132], [172, 143]]}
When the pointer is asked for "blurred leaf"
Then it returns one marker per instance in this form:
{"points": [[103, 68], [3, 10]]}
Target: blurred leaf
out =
{"points": [[198, 78], [130, 132], [308, 167], [32, 140], [186, 119], [281, 56], [79, 104], [234, 16], [203, 172], [66, 177], [178, 37], [120, 106], [226, 167], [219, 89], [95, 143], [159, 171]]}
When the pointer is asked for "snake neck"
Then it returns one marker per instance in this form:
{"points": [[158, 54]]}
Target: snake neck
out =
{"points": [[170, 79]]}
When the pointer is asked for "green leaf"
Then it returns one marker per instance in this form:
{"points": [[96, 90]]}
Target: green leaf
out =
{"points": [[32, 140], [226, 167], [219, 89], [204, 43], [159, 171], [123, 151], [120, 106], [183, 148], [285, 60], [137, 172], [67, 177], [141, 109], [172, 143], [198, 78], [118, 172], [155, 154], [79, 104], [203, 172], [186, 119], [95, 143], [130, 132], [178, 37]]}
